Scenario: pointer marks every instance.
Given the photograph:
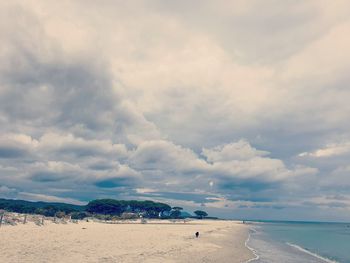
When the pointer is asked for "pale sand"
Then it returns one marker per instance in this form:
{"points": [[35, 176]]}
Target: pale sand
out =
{"points": [[156, 241]]}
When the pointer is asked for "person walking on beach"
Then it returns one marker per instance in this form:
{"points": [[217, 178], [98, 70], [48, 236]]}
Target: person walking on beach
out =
{"points": [[197, 234]]}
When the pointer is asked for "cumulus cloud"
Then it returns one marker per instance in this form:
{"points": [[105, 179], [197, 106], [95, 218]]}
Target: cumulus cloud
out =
{"points": [[329, 151], [241, 160], [65, 161], [48, 198], [165, 155], [337, 179], [68, 144], [6, 191], [94, 106], [42, 86], [236, 170], [15, 145], [241, 150]]}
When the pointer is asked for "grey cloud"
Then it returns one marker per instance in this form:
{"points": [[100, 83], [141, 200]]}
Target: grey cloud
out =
{"points": [[7, 192], [115, 182], [48, 176], [12, 152], [327, 205], [240, 150], [199, 198], [262, 206], [101, 166], [45, 87], [239, 25], [237, 170], [93, 106], [15, 146], [338, 205], [165, 155]]}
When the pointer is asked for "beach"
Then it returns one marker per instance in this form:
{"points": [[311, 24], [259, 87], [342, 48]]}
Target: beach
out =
{"points": [[155, 241]]}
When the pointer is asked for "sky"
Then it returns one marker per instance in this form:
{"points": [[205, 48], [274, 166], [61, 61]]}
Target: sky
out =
{"points": [[238, 108]]}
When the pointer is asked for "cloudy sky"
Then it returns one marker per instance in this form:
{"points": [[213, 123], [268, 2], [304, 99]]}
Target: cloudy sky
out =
{"points": [[241, 108]]}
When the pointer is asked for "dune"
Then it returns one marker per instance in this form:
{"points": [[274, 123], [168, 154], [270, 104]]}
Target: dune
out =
{"points": [[156, 241]]}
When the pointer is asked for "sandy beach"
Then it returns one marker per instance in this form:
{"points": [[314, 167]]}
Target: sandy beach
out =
{"points": [[156, 241]]}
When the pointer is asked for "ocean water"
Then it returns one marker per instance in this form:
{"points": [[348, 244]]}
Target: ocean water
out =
{"points": [[299, 242]]}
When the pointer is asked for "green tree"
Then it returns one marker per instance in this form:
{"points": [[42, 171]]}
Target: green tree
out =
{"points": [[175, 214], [200, 213], [117, 207], [105, 206], [79, 215], [60, 214]]}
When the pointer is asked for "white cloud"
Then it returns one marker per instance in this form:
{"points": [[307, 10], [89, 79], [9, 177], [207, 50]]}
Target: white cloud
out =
{"points": [[329, 150], [71, 145], [48, 198], [177, 167], [240, 150], [6, 191], [338, 179], [166, 156], [157, 91]]}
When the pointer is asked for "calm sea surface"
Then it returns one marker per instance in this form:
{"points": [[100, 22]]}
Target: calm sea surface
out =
{"points": [[303, 242]]}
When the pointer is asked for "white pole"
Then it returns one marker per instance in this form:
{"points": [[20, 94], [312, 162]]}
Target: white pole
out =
{"points": [[1, 217]]}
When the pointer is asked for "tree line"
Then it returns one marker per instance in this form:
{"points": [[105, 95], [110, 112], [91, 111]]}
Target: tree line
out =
{"points": [[104, 208], [42, 208], [117, 207]]}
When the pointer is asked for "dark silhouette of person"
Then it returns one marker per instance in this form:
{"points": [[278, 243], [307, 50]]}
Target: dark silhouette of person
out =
{"points": [[197, 234]]}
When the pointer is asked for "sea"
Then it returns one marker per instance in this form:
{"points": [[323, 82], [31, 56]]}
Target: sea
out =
{"points": [[299, 242]]}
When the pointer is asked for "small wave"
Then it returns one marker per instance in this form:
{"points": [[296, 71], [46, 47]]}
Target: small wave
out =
{"points": [[311, 253], [256, 256]]}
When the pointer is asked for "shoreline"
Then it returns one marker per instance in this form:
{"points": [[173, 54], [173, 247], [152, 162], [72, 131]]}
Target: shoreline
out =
{"points": [[304, 252], [324, 259], [154, 241], [230, 245], [256, 256]]}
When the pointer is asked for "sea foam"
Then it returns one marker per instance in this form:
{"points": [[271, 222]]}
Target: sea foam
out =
{"points": [[311, 253]]}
